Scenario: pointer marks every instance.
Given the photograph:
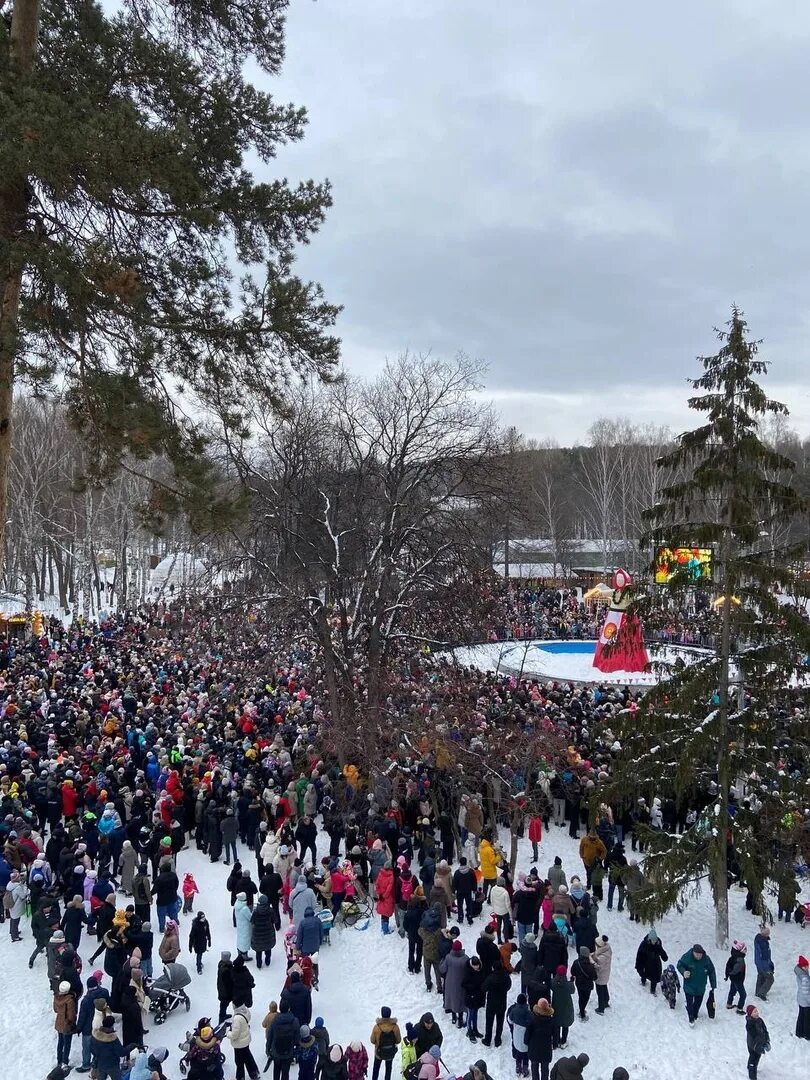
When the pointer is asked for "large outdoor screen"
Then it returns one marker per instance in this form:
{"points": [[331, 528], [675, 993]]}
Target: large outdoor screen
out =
{"points": [[690, 563]]}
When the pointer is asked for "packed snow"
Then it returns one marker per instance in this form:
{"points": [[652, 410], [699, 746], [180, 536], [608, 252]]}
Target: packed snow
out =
{"points": [[362, 970]]}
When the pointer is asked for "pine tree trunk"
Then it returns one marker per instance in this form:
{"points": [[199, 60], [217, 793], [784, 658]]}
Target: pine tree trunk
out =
{"points": [[720, 824], [13, 214]]}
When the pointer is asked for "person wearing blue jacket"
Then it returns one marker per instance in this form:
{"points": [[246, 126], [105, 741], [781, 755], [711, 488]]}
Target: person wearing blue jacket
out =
{"points": [[84, 1021], [697, 970], [763, 962], [309, 935]]}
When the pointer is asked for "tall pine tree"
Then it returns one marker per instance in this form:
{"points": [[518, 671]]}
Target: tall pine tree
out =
{"points": [[144, 271], [716, 723]]}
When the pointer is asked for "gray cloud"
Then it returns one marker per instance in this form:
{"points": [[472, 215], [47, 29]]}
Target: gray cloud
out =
{"points": [[575, 193]]}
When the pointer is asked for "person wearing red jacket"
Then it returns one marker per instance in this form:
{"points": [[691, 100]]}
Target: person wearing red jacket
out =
{"points": [[385, 895], [70, 799], [535, 834]]}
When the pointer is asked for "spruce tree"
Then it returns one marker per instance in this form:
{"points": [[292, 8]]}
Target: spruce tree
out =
{"points": [[717, 721], [145, 272]]}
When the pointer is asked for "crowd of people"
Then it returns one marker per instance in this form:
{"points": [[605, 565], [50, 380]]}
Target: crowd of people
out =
{"points": [[126, 744]]}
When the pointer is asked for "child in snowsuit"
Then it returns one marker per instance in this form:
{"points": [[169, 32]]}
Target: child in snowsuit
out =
{"points": [[189, 888], [735, 975], [307, 1054], [356, 1058], [670, 984], [407, 1049]]}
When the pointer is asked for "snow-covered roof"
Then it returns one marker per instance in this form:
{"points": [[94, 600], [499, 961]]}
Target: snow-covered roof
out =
{"points": [[531, 570]]}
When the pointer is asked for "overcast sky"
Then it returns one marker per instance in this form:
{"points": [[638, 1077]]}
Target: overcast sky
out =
{"points": [[573, 192]]}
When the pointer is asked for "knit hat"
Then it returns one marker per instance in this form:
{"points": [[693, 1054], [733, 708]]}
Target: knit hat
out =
{"points": [[241, 896], [456, 946], [582, 1060], [561, 970], [225, 955], [318, 1021], [435, 1052], [108, 1023], [98, 975], [304, 1031], [740, 946], [57, 936], [206, 1032], [335, 1054], [749, 1009], [621, 1073], [385, 1012], [64, 987], [803, 962], [584, 952]]}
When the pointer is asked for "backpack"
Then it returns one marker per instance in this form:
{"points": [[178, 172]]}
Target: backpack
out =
{"points": [[412, 1071], [386, 1046], [406, 888]]}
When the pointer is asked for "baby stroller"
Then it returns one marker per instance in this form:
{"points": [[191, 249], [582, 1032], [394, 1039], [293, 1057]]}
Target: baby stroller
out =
{"points": [[216, 1057], [167, 994], [326, 921]]}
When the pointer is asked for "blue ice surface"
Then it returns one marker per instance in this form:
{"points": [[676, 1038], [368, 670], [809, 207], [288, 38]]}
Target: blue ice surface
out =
{"points": [[567, 647]]}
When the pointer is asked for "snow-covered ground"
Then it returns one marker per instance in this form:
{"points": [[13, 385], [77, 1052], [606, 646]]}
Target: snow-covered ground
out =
{"points": [[362, 970], [563, 661]]}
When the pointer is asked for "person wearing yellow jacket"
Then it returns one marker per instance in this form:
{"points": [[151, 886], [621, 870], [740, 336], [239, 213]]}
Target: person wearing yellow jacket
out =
{"points": [[490, 860]]}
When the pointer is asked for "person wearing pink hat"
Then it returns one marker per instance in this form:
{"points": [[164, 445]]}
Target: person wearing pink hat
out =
{"points": [[802, 973], [757, 1039]]}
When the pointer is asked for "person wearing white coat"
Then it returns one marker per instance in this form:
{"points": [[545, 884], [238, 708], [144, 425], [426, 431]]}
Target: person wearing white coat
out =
{"points": [[240, 1041], [15, 899], [501, 906], [602, 957], [242, 914]]}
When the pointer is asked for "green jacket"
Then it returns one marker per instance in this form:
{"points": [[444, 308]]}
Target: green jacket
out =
{"points": [[700, 972]]}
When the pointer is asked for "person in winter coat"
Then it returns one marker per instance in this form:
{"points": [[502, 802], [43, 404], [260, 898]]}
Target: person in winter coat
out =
{"points": [[14, 900], [385, 1038], [243, 984], [616, 864], [142, 893], [465, 887], [64, 1005], [72, 922], [763, 962], [385, 889], [474, 996], [169, 948], [224, 983], [282, 1041], [555, 874], [497, 985], [356, 1058], [453, 968], [108, 1050], [426, 1033], [228, 830], [591, 851], [127, 861], [670, 985], [335, 1066], [262, 931], [583, 974], [735, 976], [301, 898], [535, 834], [602, 959], [540, 1039], [756, 1038], [650, 959], [552, 951], [518, 1017], [242, 914], [239, 1036], [430, 932], [199, 938], [697, 970], [478, 1071], [299, 998], [570, 1068], [306, 1055], [490, 859], [585, 932], [501, 905], [528, 960], [429, 1068], [132, 1029], [802, 973], [189, 890], [84, 1022], [562, 1001]]}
